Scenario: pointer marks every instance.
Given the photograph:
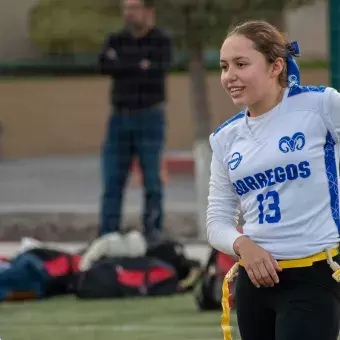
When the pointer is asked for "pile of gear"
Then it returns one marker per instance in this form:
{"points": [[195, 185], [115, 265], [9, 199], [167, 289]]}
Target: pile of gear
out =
{"points": [[112, 266]]}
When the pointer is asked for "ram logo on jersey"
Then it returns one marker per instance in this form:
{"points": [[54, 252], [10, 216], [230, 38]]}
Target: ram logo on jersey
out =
{"points": [[290, 172], [297, 142], [235, 161]]}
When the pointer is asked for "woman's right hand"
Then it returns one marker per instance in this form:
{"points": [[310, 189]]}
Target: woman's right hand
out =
{"points": [[261, 267]]}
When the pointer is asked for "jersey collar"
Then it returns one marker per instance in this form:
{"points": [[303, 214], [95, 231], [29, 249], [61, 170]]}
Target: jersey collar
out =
{"points": [[279, 109]]}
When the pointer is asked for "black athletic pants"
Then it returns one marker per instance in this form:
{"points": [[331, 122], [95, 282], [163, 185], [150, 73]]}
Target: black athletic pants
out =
{"points": [[305, 305]]}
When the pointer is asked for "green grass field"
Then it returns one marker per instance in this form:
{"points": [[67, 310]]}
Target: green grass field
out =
{"points": [[175, 318]]}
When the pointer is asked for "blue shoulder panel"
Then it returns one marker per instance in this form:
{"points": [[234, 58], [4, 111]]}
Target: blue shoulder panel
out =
{"points": [[238, 116], [297, 89]]}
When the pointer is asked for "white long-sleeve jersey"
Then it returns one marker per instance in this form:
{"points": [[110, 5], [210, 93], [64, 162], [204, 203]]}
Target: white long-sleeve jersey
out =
{"points": [[281, 171]]}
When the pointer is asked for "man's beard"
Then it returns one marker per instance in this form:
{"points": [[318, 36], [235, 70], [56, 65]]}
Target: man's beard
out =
{"points": [[135, 27]]}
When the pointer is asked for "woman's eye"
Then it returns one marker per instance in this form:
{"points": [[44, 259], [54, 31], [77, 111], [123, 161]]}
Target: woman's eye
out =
{"points": [[240, 65], [224, 67]]}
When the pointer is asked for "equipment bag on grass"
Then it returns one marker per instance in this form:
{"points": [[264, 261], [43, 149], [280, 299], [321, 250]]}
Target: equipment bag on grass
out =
{"points": [[172, 252], [127, 277], [61, 268], [208, 292], [24, 279]]}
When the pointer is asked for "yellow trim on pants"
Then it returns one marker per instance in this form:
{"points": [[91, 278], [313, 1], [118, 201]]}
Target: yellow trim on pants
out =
{"points": [[225, 319]]}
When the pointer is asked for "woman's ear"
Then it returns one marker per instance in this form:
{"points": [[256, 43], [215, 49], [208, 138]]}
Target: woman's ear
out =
{"points": [[277, 67]]}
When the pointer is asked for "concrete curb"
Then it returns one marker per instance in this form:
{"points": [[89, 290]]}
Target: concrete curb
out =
{"points": [[83, 227], [57, 198], [176, 163]]}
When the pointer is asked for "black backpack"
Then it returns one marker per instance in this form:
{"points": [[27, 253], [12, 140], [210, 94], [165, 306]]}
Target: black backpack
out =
{"points": [[172, 252], [127, 277], [38, 273], [208, 292], [62, 269]]}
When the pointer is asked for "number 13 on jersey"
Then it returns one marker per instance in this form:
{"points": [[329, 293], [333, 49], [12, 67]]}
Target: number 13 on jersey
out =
{"points": [[272, 200]]}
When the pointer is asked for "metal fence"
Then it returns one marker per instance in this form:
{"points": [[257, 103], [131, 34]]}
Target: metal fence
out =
{"points": [[85, 64]]}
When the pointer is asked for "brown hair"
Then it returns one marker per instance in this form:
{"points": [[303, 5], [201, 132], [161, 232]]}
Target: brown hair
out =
{"points": [[267, 39]]}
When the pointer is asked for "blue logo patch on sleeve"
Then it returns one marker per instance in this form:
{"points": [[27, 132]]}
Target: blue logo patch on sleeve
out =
{"points": [[235, 161]]}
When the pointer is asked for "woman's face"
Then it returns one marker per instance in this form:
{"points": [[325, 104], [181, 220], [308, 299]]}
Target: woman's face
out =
{"points": [[246, 75]]}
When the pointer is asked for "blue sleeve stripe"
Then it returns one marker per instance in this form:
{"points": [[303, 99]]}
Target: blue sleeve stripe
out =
{"points": [[332, 175], [297, 89], [238, 116]]}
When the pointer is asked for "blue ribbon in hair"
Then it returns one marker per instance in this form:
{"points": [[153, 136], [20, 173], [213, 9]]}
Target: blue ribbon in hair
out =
{"points": [[293, 70]]}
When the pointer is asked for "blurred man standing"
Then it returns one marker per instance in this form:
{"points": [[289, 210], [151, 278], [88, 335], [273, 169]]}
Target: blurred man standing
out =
{"points": [[138, 58]]}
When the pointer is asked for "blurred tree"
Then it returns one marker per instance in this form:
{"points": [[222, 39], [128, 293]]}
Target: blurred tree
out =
{"points": [[197, 24], [72, 26]]}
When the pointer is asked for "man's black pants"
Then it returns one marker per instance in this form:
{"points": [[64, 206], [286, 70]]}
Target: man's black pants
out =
{"points": [[305, 305]]}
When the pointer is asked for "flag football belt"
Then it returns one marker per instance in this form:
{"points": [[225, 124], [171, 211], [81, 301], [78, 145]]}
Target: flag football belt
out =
{"points": [[327, 254]]}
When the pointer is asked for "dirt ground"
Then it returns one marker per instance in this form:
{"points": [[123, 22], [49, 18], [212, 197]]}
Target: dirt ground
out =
{"points": [[68, 115]]}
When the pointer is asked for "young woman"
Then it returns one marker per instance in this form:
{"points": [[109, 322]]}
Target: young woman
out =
{"points": [[277, 161]]}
